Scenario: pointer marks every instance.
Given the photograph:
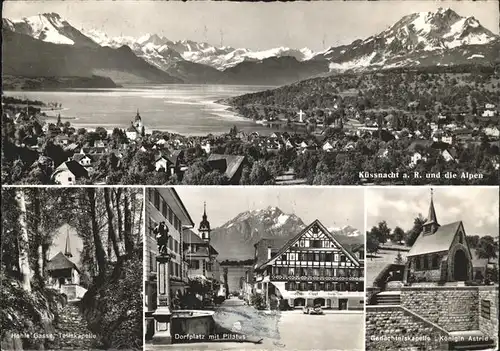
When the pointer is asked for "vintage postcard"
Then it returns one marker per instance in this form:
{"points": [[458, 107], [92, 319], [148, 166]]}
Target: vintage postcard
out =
{"points": [[224, 93]]}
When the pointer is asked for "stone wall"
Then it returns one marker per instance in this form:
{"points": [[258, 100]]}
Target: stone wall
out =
{"points": [[370, 293], [395, 328], [489, 326], [431, 275], [452, 308]]}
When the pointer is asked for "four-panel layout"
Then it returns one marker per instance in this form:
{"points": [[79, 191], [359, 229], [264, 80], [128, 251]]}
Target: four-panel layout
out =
{"points": [[250, 268], [250, 176]]}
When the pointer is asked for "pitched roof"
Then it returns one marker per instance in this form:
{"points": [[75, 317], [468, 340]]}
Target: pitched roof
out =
{"points": [[233, 163], [325, 231], [174, 156], [74, 167], [191, 238], [439, 241], [60, 261], [419, 143], [263, 244]]}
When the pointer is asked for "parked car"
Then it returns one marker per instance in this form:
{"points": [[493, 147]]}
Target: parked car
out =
{"points": [[312, 310]]}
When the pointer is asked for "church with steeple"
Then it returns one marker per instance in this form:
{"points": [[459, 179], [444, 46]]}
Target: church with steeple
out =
{"points": [[199, 253], [136, 128], [64, 275], [440, 253]]}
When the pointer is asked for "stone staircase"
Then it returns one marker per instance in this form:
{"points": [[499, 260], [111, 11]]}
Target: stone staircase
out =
{"points": [[72, 329], [388, 298]]}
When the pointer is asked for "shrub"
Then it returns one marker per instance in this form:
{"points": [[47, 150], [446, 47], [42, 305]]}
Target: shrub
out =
{"points": [[113, 308], [257, 300]]}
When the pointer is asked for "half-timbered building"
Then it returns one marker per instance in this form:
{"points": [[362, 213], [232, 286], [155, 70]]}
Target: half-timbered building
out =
{"points": [[311, 268]]}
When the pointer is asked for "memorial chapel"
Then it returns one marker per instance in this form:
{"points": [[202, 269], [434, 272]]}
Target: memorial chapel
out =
{"points": [[440, 253]]}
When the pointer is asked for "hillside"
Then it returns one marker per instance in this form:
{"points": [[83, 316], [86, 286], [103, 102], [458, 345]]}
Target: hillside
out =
{"points": [[54, 83], [24, 56], [449, 89]]}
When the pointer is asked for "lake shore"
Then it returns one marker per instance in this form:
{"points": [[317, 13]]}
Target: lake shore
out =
{"points": [[189, 110]]}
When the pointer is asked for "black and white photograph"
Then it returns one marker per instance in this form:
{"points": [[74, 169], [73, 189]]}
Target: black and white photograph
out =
{"points": [[70, 271], [254, 268], [432, 268], [226, 93]]}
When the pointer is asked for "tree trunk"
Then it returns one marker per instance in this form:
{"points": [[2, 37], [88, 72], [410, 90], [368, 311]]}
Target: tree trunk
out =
{"points": [[37, 215], [99, 249], [111, 230], [139, 230], [118, 195], [23, 243], [129, 242]]}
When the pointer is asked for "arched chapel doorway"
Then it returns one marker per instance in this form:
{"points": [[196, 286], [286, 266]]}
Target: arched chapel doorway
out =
{"points": [[460, 266]]}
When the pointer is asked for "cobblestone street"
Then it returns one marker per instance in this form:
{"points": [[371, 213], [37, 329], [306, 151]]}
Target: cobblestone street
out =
{"points": [[289, 330]]}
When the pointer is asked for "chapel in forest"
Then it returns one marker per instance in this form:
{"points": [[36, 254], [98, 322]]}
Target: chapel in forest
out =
{"points": [[440, 253], [61, 270]]}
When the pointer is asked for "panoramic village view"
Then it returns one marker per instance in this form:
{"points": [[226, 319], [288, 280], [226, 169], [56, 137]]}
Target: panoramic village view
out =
{"points": [[412, 101], [435, 285], [251, 282]]}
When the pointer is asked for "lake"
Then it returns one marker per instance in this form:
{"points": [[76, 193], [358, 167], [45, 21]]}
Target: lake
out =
{"points": [[186, 109]]}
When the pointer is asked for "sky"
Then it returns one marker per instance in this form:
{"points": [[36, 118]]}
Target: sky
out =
{"points": [[334, 207], [316, 25], [59, 243], [476, 207]]}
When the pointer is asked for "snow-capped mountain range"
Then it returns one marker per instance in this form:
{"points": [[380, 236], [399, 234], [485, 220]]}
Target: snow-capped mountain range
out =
{"points": [[420, 39], [346, 230], [160, 51], [235, 238], [413, 37]]}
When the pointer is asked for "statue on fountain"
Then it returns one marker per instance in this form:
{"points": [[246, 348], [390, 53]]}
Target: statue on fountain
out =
{"points": [[161, 231]]}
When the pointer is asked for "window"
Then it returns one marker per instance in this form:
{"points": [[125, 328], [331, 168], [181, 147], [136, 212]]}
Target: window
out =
{"points": [[195, 264], [435, 262], [426, 262], [70, 179], [485, 309], [316, 243], [151, 263], [164, 209], [170, 215], [283, 257], [328, 257], [151, 226], [417, 263], [156, 200], [291, 271], [336, 257], [342, 258]]}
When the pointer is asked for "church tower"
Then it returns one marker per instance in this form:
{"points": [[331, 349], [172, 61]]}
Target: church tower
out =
{"points": [[138, 122], [204, 228], [431, 225], [67, 249]]}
